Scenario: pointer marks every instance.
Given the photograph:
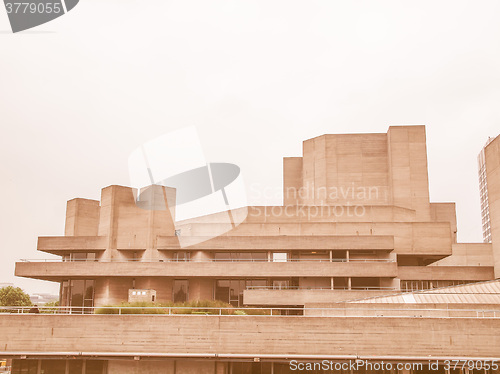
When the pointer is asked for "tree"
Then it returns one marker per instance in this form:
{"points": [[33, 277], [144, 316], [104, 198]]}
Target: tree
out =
{"points": [[10, 296]]}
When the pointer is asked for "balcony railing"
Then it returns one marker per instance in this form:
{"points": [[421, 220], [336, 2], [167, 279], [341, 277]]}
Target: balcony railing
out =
{"points": [[354, 288], [377, 260], [249, 311]]}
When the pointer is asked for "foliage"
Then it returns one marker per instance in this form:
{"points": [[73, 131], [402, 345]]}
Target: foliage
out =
{"points": [[50, 307], [138, 307], [10, 296], [202, 307]]}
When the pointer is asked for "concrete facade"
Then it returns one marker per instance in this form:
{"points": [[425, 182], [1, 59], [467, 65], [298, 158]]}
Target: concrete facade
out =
{"points": [[356, 222], [356, 216]]}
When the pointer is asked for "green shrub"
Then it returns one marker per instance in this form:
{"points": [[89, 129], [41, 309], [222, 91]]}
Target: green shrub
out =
{"points": [[188, 307], [138, 307]]}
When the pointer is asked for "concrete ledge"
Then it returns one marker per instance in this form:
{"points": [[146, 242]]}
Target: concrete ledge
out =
{"points": [[478, 273], [59, 270], [278, 335]]}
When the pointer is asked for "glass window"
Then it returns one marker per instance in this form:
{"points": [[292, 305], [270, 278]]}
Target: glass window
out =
{"points": [[64, 293], [222, 256], [256, 283], [94, 367], [222, 290], [79, 256], [24, 366], [75, 366], [78, 293], [180, 290], [181, 256], [281, 284], [53, 367], [259, 256], [77, 288], [240, 256]]}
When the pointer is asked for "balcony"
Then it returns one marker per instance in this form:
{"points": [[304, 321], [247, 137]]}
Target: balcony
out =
{"points": [[59, 244], [57, 270], [283, 242]]}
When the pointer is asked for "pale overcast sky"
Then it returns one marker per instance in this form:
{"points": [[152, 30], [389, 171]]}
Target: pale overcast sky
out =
{"points": [[256, 78]]}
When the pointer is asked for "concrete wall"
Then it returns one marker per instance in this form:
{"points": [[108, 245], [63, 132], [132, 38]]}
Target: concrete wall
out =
{"points": [[446, 273], [292, 180], [408, 169], [302, 297], [128, 226], [279, 335], [468, 254], [82, 217], [341, 169]]}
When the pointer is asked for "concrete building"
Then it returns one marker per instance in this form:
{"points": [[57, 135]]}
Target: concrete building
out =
{"points": [[483, 194], [356, 223]]}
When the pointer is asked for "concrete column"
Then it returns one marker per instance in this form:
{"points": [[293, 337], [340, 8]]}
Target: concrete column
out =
{"points": [[201, 256], [347, 256], [409, 183], [332, 284], [349, 283], [113, 290], [82, 217], [201, 289]]}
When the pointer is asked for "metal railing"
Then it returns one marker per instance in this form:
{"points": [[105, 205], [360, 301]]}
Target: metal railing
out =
{"points": [[257, 311], [383, 260], [354, 288]]}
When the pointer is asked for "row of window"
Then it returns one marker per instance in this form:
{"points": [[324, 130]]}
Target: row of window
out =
{"points": [[418, 285], [182, 256], [59, 366], [80, 292]]}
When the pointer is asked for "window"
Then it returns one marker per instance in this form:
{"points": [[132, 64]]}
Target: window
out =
{"points": [[94, 367], [181, 256], [80, 256], [230, 291], [180, 290], [53, 367], [240, 256], [24, 366], [78, 293], [281, 284]]}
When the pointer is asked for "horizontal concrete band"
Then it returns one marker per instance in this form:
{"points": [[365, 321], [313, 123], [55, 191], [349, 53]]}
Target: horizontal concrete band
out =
{"points": [[230, 356], [49, 270], [279, 336]]}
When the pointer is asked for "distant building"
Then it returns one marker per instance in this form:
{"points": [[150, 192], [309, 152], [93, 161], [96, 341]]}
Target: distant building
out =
{"points": [[483, 195], [43, 298]]}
